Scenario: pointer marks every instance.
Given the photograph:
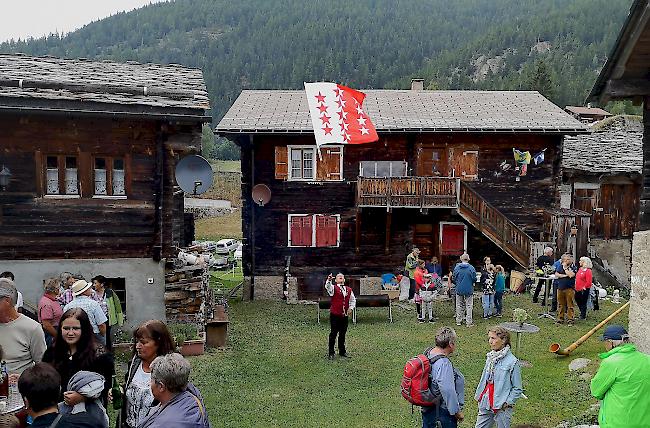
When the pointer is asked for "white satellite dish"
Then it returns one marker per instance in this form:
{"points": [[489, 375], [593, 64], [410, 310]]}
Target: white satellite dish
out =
{"points": [[194, 174]]}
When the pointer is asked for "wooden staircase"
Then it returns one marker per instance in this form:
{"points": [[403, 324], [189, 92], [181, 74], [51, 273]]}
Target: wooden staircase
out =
{"points": [[494, 225]]}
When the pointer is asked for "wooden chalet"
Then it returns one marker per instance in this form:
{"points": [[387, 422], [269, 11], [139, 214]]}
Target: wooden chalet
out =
{"points": [[442, 177], [88, 150], [601, 175]]}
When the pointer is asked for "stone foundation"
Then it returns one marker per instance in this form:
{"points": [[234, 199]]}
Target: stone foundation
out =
{"points": [[369, 285], [639, 326], [268, 287], [292, 292]]}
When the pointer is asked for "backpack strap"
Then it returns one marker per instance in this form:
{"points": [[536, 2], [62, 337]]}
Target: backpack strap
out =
{"points": [[198, 403], [55, 422]]}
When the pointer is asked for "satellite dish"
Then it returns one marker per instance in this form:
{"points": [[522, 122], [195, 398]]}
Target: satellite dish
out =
{"points": [[261, 194], [194, 174]]}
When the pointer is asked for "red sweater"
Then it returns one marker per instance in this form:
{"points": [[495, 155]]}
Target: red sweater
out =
{"points": [[583, 279]]}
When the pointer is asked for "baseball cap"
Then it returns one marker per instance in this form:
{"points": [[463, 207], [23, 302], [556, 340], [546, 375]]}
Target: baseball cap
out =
{"points": [[614, 332]]}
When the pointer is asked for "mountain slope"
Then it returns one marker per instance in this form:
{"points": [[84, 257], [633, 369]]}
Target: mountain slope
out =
{"points": [[463, 44]]}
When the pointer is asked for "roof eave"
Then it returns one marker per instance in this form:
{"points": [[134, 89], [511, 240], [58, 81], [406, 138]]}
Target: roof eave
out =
{"points": [[554, 131], [636, 15]]}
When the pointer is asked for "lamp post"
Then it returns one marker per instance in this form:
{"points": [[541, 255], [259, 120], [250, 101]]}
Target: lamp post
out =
{"points": [[5, 175]]}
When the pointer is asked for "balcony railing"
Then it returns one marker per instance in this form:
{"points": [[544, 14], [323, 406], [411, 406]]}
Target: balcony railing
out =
{"points": [[407, 192]]}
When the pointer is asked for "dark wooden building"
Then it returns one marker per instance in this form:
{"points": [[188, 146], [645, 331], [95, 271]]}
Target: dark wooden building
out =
{"points": [[442, 177], [89, 149]]}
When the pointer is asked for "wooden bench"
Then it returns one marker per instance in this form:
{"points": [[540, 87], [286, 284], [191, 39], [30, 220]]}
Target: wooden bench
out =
{"points": [[366, 301]]}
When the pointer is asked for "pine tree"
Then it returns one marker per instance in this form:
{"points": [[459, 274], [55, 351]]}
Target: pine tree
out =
{"points": [[542, 80]]}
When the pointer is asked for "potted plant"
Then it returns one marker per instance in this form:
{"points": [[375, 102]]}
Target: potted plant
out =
{"points": [[519, 316], [188, 339]]}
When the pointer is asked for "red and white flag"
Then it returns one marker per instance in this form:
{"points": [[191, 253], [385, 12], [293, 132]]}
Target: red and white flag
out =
{"points": [[337, 114]]}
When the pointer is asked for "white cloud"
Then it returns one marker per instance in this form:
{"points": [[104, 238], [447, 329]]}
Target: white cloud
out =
{"points": [[36, 18]]}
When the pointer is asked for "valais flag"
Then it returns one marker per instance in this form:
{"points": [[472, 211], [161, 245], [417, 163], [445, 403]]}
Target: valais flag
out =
{"points": [[337, 115]]}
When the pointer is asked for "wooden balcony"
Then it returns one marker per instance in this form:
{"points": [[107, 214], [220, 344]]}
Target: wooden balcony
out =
{"points": [[407, 192]]}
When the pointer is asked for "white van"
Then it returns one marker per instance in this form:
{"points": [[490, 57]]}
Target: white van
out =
{"points": [[225, 246]]}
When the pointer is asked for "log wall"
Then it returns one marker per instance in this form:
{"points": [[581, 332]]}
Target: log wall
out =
{"points": [[522, 201], [36, 227]]}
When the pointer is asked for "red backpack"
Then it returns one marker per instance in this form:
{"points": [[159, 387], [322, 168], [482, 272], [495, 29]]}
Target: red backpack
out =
{"points": [[415, 382]]}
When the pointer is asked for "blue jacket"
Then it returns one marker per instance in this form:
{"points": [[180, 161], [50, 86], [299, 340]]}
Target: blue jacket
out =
{"points": [[449, 383], [507, 382], [186, 410], [464, 277]]}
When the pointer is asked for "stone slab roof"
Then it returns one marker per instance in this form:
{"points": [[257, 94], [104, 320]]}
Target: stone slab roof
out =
{"points": [[283, 111], [615, 146], [78, 84]]}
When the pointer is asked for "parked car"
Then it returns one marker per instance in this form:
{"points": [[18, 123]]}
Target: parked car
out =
{"points": [[239, 252], [225, 246]]}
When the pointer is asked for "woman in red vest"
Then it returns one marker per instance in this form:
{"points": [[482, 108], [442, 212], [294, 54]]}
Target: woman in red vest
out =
{"points": [[343, 303]]}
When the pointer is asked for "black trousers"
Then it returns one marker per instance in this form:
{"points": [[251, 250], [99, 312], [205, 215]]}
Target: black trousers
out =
{"points": [[411, 288], [581, 299], [540, 282], [338, 325]]}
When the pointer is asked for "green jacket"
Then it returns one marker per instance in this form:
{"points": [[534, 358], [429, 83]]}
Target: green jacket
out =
{"points": [[623, 385], [411, 264], [115, 315]]}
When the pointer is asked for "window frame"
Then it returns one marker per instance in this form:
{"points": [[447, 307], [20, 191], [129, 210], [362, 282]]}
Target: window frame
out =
{"points": [[109, 163], [313, 230], [302, 148], [61, 176]]}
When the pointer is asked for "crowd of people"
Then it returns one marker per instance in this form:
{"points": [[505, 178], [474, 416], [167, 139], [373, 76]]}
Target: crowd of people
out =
{"points": [[64, 367]]}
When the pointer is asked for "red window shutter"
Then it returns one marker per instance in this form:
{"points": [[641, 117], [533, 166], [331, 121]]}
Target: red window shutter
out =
{"points": [[326, 230], [301, 231]]}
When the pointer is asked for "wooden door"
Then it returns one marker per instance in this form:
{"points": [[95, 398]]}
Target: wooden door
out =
{"points": [[463, 163], [588, 200], [620, 205], [452, 239], [431, 161]]}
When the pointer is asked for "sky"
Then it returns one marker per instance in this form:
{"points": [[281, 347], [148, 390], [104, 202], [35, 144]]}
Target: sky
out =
{"points": [[36, 18]]}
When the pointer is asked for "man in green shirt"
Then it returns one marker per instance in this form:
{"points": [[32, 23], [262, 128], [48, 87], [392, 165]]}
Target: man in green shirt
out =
{"points": [[622, 382], [411, 264]]}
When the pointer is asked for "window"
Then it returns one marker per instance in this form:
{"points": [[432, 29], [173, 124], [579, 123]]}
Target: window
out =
{"points": [[302, 164], [383, 168], [61, 175], [109, 177], [314, 230]]}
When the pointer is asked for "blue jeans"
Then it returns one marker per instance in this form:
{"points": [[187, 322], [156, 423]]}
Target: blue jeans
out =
{"points": [[430, 417], [487, 300], [498, 301]]}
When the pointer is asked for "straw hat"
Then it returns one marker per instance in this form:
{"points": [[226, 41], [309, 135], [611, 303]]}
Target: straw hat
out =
{"points": [[79, 287]]}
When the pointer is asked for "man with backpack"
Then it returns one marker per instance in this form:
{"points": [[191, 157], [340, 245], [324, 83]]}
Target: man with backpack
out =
{"points": [[432, 382]]}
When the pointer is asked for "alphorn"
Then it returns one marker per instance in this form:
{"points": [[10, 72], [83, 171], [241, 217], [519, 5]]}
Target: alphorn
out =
{"points": [[555, 347]]}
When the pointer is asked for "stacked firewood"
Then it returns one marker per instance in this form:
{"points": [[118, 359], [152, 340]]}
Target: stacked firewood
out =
{"points": [[188, 296]]}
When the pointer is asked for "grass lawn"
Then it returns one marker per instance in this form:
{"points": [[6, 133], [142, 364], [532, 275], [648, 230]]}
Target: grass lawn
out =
{"points": [[275, 374], [215, 228], [226, 165]]}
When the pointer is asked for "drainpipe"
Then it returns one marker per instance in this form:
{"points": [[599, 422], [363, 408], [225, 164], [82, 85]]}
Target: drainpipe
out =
{"points": [[253, 208]]}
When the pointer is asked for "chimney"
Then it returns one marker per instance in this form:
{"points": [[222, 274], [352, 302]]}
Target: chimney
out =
{"points": [[417, 84]]}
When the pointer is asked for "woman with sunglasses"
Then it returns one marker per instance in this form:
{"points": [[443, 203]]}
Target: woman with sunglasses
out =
{"points": [[77, 349]]}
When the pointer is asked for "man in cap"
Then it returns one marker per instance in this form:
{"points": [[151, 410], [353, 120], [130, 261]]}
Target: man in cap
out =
{"points": [[21, 338], [81, 290], [622, 382], [410, 265]]}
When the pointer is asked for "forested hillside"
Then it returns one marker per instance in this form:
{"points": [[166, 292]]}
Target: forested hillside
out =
{"points": [[555, 46]]}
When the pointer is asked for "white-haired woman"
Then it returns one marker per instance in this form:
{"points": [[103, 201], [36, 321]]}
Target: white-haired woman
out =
{"points": [[583, 285]]}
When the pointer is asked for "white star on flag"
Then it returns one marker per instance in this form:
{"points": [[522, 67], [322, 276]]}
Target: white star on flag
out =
{"points": [[354, 126]]}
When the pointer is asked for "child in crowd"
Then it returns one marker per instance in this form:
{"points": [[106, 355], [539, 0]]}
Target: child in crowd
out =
{"points": [[499, 289], [427, 293], [488, 291]]}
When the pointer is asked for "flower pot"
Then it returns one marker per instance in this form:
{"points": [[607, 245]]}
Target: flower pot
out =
{"points": [[191, 348]]}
